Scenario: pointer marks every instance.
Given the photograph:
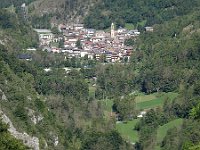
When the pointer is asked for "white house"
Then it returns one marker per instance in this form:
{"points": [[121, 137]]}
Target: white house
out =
{"points": [[45, 36], [142, 114], [100, 34], [78, 26], [91, 32], [149, 29]]}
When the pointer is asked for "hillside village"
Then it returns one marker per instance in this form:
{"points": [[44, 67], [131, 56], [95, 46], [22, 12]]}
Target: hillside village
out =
{"points": [[78, 41]]}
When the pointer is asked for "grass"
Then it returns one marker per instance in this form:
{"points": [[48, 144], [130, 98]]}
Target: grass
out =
{"points": [[150, 104], [142, 101], [107, 107], [144, 98], [162, 130], [92, 91], [153, 100], [142, 23], [126, 130], [108, 104], [129, 26]]}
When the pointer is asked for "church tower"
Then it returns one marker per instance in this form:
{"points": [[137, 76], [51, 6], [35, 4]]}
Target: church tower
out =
{"points": [[112, 33]]}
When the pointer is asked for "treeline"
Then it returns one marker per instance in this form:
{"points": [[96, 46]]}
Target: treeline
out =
{"points": [[128, 11]]}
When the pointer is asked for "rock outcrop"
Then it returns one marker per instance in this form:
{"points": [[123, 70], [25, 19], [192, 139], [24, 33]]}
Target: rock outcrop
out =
{"points": [[32, 142]]}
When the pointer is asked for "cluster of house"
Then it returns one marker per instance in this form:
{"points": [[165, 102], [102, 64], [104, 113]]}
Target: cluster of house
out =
{"points": [[95, 44]]}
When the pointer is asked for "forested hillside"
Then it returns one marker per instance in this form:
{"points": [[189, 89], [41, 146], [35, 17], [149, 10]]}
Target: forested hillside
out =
{"points": [[60, 11], [14, 34], [53, 106], [42, 13], [138, 12], [166, 60]]}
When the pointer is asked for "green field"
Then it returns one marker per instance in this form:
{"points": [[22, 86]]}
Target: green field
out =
{"points": [[153, 100], [126, 130], [142, 101], [129, 26], [162, 130], [107, 107], [92, 91], [142, 23], [143, 98]]}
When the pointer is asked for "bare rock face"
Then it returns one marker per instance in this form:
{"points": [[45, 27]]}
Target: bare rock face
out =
{"points": [[3, 96], [35, 118], [32, 142], [56, 141], [2, 43]]}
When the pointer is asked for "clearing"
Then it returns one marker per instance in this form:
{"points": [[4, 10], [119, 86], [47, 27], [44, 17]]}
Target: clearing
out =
{"points": [[162, 130], [127, 130]]}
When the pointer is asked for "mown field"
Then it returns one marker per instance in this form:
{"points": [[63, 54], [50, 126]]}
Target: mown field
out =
{"points": [[127, 130], [153, 100], [143, 102]]}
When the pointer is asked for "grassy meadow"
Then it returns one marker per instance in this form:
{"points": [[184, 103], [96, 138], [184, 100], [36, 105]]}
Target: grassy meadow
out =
{"points": [[127, 130]]}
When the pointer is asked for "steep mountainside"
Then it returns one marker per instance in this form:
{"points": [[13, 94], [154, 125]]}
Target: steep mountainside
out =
{"points": [[62, 10]]}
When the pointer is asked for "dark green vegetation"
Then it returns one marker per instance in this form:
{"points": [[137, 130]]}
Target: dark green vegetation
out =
{"points": [[7, 142], [18, 3], [166, 60], [14, 33], [136, 12]]}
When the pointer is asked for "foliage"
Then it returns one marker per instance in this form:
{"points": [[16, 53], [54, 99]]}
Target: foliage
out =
{"points": [[78, 44], [114, 80], [125, 107], [41, 22], [110, 140], [8, 142], [18, 3], [162, 130], [128, 11]]}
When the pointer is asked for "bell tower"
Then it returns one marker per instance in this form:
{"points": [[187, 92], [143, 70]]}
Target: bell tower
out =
{"points": [[112, 33]]}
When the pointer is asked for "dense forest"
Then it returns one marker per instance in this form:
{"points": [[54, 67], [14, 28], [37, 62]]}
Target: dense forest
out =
{"points": [[137, 12]]}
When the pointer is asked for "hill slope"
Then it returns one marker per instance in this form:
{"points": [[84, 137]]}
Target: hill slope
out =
{"points": [[62, 10], [138, 12]]}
